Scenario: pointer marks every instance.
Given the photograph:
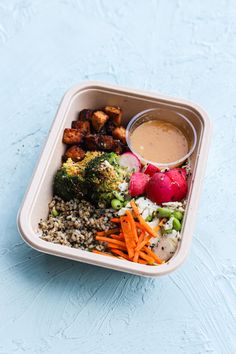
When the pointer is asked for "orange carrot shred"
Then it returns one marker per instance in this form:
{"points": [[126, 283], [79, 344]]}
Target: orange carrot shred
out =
{"points": [[113, 245], [108, 232], [157, 228], [143, 243], [147, 258], [153, 255], [142, 261], [116, 220], [140, 239], [129, 239], [102, 253], [118, 237], [107, 239], [120, 253], [141, 219], [132, 224]]}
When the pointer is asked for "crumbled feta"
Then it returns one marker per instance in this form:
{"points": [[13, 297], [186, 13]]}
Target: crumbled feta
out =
{"points": [[173, 234], [145, 206], [123, 186], [169, 224], [174, 205]]}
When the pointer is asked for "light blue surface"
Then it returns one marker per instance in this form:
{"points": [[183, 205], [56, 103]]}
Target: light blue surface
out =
{"points": [[179, 48]]}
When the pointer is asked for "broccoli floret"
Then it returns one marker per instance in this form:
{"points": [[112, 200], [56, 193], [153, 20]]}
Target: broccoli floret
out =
{"points": [[67, 186], [103, 175], [69, 179]]}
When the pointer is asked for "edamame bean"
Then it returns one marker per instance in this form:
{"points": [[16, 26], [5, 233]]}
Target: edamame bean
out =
{"points": [[149, 218], [176, 224], [164, 212], [178, 214], [118, 196], [54, 212], [126, 202], [169, 231], [116, 204]]}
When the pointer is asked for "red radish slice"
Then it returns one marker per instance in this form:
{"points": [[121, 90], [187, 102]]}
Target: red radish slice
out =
{"points": [[150, 170], [159, 188], [130, 161], [179, 183], [137, 184]]}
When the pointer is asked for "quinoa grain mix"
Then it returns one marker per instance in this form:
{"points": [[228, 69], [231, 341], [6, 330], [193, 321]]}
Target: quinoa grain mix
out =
{"points": [[75, 223]]}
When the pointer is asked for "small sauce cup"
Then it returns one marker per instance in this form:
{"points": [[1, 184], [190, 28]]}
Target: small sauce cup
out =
{"points": [[176, 119]]}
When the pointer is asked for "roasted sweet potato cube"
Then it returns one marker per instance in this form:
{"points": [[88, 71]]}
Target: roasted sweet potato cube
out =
{"points": [[75, 153], [114, 113], [82, 126], [85, 114], [72, 136], [120, 134], [99, 118], [91, 142]]}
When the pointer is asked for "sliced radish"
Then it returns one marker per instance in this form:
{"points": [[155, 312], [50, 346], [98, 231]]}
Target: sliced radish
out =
{"points": [[179, 183], [130, 161], [150, 170], [159, 188], [138, 183]]}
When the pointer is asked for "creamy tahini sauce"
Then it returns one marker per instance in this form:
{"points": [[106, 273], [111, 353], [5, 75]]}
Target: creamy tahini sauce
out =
{"points": [[159, 141]]}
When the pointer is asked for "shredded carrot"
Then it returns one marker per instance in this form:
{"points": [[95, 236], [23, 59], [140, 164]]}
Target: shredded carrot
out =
{"points": [[143, 243], [140, 239], [108, 232], [102, 253], [107, 239], [146, 257], [157, 228], [115, 220], [142, 261], [113, 245], [136, 256], [120, 253], [129, 239], [141, 219], [132, 224], [153, 255], [118, 237]]}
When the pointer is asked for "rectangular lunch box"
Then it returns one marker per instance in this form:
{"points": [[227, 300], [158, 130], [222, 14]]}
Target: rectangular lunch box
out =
{"points": [[93, 95]]}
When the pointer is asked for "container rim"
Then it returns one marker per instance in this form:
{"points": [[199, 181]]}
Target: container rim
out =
{"points": [[160, 164]]}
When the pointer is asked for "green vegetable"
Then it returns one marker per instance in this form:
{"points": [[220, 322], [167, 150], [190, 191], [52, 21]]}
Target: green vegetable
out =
{"points": [[103, 176], [149, 218], [116, 204], [126, 202], [117, 195], [67, 186], [176, 224], [178, 214], [69, 179], [169, 231], [164, 212], [54, 212]]}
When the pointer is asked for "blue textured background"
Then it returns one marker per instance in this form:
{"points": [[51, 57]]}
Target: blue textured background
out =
{"points": [[179, 48]]}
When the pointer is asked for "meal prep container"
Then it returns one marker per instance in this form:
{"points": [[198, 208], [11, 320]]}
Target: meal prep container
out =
{"points": [[93, 95]]}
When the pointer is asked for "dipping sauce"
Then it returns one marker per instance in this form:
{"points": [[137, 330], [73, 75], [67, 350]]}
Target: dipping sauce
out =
{"points": [[159, 141]]}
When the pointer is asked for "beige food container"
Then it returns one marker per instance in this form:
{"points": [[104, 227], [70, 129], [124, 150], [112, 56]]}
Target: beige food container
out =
{"points": [[94, 95]]}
